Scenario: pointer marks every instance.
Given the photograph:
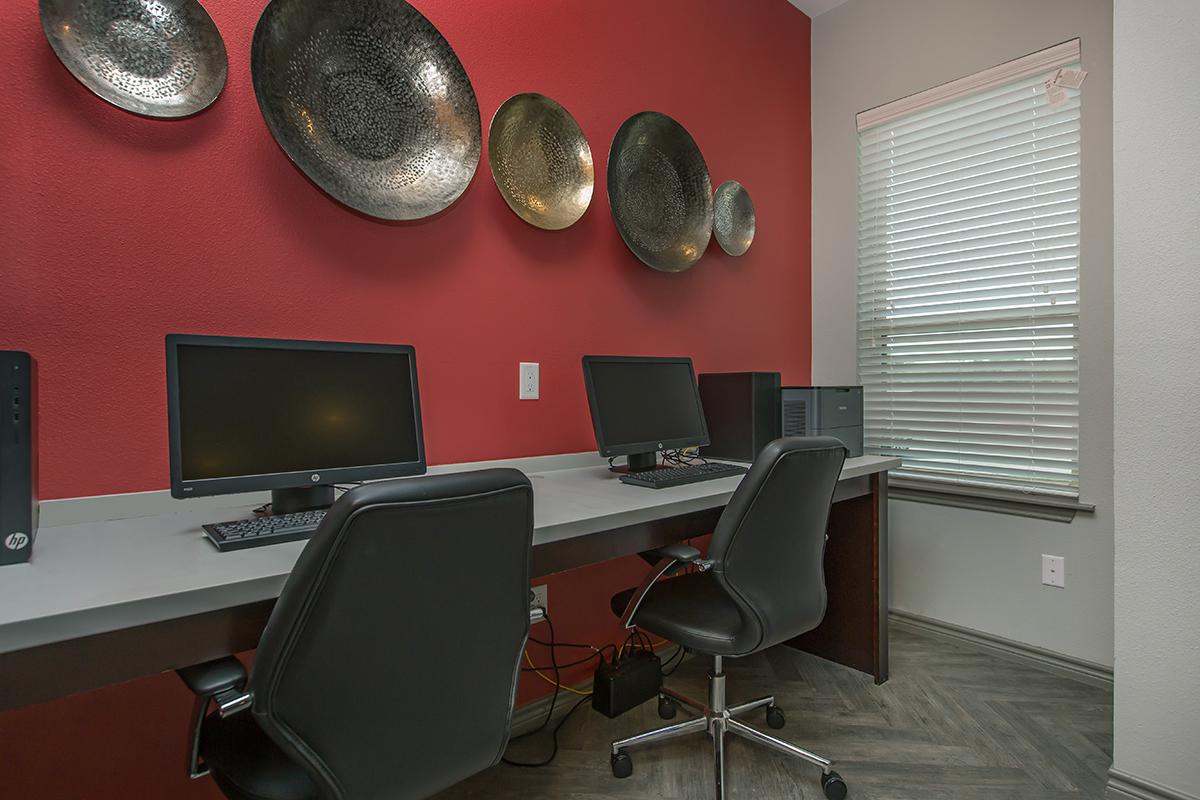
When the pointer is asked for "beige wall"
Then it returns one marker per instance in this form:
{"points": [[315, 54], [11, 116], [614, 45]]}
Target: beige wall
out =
{"points": [[1157, 228], [970, 568]]}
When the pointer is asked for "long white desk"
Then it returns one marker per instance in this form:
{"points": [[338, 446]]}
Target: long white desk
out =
{"points": [[136, 570]]}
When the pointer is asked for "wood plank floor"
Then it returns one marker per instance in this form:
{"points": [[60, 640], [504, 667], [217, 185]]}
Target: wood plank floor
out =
{"points": [[951, 724]]}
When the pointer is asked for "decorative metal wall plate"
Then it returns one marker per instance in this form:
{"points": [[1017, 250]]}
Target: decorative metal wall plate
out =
{"points": [[369, 99], [541, 161], [733, 218], [158, 58], [660, 192]]}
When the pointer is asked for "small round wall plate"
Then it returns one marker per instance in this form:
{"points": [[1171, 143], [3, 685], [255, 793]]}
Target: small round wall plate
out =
{"points": [[370, 101], [541, 161], [733, 218], [157, 58], [660, 192]]}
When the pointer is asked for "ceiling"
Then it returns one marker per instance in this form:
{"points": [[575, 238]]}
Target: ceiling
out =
{"points": [[815, 7]]}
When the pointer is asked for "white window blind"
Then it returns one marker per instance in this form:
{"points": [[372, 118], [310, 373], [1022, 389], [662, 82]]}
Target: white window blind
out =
{"points": [[968, 286]]}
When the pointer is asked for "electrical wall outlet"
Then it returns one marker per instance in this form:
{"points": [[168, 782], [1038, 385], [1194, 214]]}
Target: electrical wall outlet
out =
{"points": [[540, 597], [1054, 571], [529, 381]]}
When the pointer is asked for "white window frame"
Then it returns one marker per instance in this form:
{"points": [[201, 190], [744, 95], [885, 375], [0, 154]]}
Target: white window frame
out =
{"points": [[1041, 490]]}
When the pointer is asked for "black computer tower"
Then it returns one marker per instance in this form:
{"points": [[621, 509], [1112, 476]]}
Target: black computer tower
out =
{"points": [[742, 411], [18, 456]]}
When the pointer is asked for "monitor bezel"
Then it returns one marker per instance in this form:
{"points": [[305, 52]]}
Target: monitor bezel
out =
{"points": [[317, 476], [641, 447]]}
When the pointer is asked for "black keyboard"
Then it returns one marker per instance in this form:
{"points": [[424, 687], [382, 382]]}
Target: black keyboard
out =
{"points": [[678, 476], [242, 533]]}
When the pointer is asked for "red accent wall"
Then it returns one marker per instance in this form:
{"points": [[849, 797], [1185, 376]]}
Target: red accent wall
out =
{"points": [[116, 230]]}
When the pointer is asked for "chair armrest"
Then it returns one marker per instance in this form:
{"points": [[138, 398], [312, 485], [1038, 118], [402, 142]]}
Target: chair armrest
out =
{"points": [[682, 553], [213, 677], [671, 558], [223, 682]]}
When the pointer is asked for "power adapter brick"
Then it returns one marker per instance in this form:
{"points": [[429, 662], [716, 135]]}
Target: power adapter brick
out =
{"points": [[629, 681]]}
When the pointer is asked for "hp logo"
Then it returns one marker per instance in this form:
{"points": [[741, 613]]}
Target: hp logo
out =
{"points": [[15, 541], [316, 478]]}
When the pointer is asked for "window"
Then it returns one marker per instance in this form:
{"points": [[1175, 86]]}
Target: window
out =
{"points": [[968, 281]]}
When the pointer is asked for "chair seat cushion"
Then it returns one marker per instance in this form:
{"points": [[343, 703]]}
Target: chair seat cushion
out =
{"points": [[693, 611], [247, 765]]}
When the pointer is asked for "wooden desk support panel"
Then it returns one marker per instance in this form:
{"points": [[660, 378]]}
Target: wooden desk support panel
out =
{"points": [[854, 631]]}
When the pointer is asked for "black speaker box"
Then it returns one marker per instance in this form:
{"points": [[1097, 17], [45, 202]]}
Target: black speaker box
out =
{"points": [[18, 456], [742, 411]]}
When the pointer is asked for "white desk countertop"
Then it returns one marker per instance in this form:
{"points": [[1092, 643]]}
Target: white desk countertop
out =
{"points": [[103, 564]]}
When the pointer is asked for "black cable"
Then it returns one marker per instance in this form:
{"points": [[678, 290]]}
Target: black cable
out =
{"points": [[668, 668], [680, 458], [576, 646], [557, 683], [639, 640], [550, 713], [565, 666], [554, 737]]}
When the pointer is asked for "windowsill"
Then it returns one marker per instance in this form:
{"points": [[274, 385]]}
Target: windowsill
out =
{"points": [[1047, 507]]}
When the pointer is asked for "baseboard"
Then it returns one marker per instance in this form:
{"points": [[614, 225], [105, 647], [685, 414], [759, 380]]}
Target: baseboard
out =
{"points": [[1123, 786], [529, 716], [1067, 666]]}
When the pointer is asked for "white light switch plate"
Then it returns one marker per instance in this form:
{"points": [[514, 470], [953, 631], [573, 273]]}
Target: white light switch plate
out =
{"points": [[1054, 571], [529, 381]]}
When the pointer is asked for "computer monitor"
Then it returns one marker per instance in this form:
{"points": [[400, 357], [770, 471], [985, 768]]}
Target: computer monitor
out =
{"points": [[643, 405], [294, 417]]}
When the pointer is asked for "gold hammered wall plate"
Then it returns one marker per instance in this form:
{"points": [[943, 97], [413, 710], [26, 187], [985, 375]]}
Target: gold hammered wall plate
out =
{"points": [[541, 161], [370, 101], [660, 192], [157, 58], [733, 218]]}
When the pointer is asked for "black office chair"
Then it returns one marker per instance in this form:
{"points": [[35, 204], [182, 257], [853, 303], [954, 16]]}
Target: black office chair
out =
{"points": [[762, 583], [389, 666]]}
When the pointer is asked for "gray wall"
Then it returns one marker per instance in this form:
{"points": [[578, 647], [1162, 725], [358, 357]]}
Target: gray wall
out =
{"points": [[971, 568], [1157, 231]]}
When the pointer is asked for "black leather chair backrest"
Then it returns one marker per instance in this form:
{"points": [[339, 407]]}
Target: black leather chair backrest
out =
{"points": [[390, 663], [769, 546]]}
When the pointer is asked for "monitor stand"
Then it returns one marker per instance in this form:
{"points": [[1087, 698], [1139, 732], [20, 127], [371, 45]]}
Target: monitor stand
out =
{"points": [[307, 498], [639, 462]]}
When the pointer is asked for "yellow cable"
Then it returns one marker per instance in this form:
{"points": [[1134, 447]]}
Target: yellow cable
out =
{"points": [[653, 646], [553, 682]]}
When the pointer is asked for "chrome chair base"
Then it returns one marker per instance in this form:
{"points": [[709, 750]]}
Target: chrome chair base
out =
{"points": [[718, 720]]}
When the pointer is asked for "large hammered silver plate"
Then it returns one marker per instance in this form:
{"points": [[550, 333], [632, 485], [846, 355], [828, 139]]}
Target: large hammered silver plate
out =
{"points": [[733, 218], [541, 161], [158, 58], [660, 192], [370, 101]]}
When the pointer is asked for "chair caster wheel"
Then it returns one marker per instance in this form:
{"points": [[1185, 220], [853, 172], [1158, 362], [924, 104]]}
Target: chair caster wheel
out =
{"points": [[667, 708], [834, 786], [622, 765], [775, 717]]}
